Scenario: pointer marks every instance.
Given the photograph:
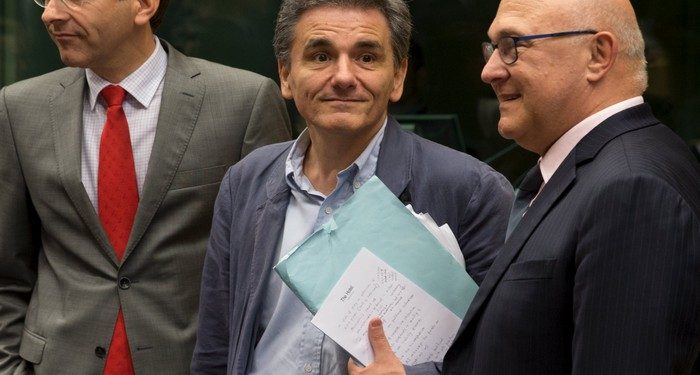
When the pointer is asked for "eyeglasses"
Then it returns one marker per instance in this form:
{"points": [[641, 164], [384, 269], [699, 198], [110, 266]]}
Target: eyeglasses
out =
{"points": [[507, 45], [71, 4]]}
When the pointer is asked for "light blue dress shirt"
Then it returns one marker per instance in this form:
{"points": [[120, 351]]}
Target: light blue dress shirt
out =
{"points": [[290, 344]]}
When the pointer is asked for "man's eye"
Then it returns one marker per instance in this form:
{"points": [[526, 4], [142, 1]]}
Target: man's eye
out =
{"points": [[321, 57], [367, 58]]}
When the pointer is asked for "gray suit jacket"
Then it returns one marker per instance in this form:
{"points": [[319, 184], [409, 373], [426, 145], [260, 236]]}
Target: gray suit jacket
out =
{"points": [[249, 219], [602, 275], [60, 283]]}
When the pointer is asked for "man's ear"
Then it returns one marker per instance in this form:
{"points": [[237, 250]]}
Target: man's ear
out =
{"points": [[146, 10], [283, 71], [603, 53], [399, 78]]}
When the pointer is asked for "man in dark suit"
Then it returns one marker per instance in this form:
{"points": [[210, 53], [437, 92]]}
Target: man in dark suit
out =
{"points": [[602, 273], [101, 250]]}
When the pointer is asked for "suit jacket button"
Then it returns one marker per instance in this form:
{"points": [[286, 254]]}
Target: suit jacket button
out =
{"points": [[124, 283], [100, 352]]}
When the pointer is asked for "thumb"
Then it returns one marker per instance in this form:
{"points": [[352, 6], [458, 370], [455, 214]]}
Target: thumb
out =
{"points": [[353, 368], [378, 340]]}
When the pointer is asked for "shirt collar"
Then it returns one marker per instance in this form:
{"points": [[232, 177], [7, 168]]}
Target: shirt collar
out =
{"points": [[556, 154], [142, 84], [365, 165]]}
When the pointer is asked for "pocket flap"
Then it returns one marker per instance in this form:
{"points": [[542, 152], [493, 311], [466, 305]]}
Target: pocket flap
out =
{"points": [[530, 270], [198, 177], [32, 347]]}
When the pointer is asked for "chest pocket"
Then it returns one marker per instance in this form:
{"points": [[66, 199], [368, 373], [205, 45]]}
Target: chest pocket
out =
{"points": [[531, 270], [198, 177]]}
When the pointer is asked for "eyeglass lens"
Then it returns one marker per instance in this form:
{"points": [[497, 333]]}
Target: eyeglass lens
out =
{"points": [[505, 47]]}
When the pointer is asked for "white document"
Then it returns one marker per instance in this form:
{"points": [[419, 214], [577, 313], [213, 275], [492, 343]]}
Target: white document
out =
{"points": [[418, 327], [442, 233]]}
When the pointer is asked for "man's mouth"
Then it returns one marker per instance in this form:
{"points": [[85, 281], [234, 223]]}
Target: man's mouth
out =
{"points": [[508, 97], [347, 100]]}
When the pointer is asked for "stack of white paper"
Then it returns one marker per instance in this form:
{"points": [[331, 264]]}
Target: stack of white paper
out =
{"points": [[419, 328], [442, 233]]}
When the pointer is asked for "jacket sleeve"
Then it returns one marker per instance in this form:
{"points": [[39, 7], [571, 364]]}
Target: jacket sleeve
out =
{"points": [[483, 226], [269, 121], [636, 290], [19, 248], [481, 235], [211, 350]]}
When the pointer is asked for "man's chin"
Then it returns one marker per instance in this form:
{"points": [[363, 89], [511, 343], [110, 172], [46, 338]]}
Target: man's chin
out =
{"points": [[70, 59], [505, 130]]}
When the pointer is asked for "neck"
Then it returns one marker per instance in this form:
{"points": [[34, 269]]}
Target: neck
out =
{"points": [[130, 58], [328, 155]]}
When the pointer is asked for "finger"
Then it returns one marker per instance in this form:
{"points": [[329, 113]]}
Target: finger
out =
{"points": [[352, 367], [377, 338]]}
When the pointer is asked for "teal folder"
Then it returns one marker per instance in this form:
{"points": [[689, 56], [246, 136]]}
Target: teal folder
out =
{"points": [[374, 218]]}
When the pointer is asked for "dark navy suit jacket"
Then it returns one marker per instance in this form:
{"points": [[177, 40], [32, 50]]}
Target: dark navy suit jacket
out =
{"points": [[602, 275], [249, 219]]}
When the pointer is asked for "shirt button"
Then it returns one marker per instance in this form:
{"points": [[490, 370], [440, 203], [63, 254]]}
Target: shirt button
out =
{"points": [[124, 283], [328, 210], [308, 368], [356, 185]]}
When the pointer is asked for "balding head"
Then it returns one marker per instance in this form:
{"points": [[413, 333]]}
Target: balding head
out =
{"points": [[593, 59], [617, 17]]}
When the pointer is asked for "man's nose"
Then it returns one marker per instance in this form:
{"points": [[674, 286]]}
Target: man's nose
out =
{"points": [[495, 69], [344, 75], [55, 10]]}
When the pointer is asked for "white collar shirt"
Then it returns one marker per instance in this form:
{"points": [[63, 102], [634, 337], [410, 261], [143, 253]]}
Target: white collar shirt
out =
{"points": [[141, 106], [552, 159]]}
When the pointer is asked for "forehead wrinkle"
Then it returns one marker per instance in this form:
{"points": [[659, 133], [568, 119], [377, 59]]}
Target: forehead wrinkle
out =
{"points": [[325, 20], [317, 42]]}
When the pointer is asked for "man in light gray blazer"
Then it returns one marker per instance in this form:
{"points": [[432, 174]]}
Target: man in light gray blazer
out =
{"points": [[62, 285]]}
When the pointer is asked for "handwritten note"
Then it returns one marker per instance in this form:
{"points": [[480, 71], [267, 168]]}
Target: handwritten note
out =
{"points": [[418, 327]]}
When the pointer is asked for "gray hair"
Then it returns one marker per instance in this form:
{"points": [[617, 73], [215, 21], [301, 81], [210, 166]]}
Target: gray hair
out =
{"points": [[606, 15], [396, 12]]}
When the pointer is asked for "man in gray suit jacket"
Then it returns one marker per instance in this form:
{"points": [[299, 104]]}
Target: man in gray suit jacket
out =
{"points": [[69, 294], [341, 62], [602, 273]]}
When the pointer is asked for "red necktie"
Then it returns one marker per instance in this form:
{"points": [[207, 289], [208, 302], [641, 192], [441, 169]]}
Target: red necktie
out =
{"points": [[117, 201]]}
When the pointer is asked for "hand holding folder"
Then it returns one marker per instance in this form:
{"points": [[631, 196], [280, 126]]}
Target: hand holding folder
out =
{"points": [[374, 219]]}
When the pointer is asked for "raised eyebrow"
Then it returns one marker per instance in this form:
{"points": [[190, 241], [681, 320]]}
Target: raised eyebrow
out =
{"points": [[368, 44], [317, 43]]}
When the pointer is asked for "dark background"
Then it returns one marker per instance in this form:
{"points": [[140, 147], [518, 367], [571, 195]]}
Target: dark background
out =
{"points": [[444, 76]]}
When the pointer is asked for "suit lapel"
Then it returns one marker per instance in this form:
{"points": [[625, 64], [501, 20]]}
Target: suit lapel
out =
{"points": [[67, 127], [550, 194], [395, 160], [269, 225], [557, 187], [182, 100]]}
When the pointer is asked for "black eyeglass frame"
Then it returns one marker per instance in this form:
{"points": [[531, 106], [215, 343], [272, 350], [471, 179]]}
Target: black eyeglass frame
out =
{"points": [[488, 48]]}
